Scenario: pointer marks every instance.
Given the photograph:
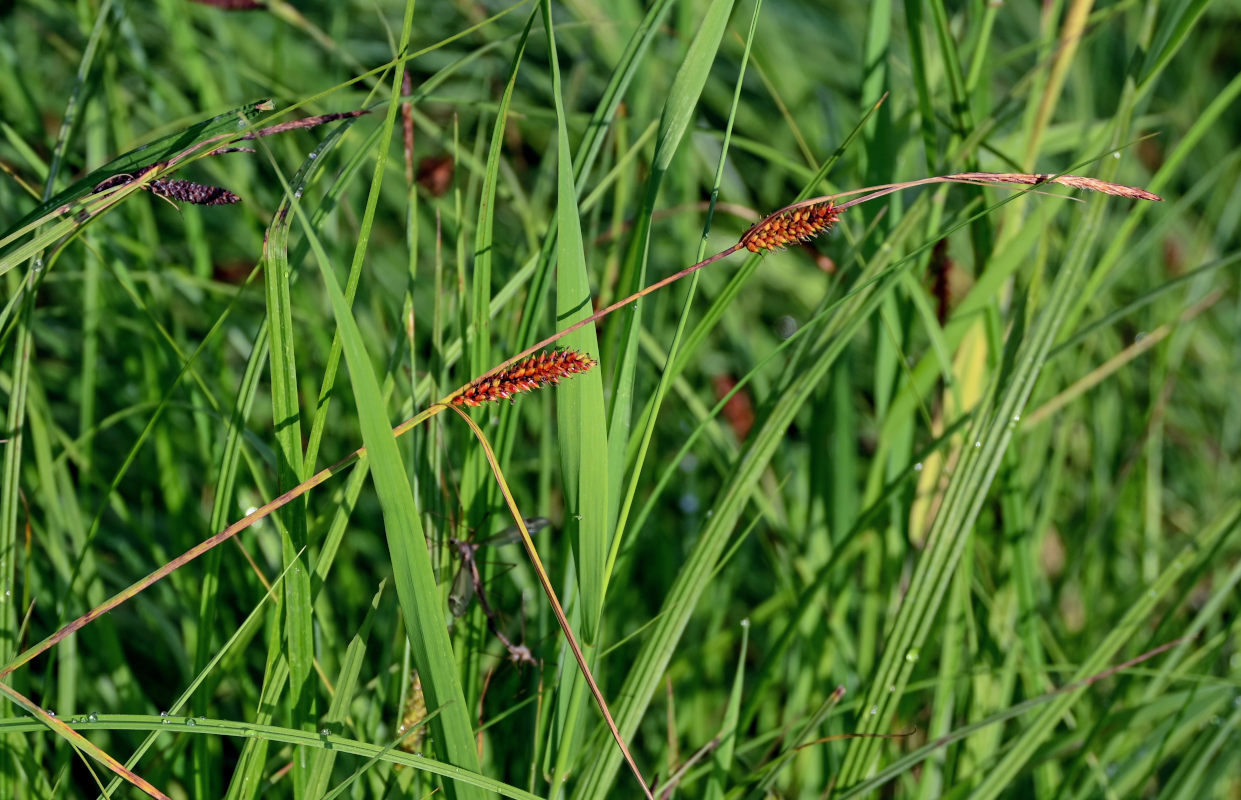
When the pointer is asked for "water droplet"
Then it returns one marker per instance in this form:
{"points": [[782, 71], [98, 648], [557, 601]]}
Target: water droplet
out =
{"points": [[912, 655], [710, 511], [163, 713], [313, 156], [1141, 335], [250, 732], [745, 623], [874, 710], [297, 193], [1016, 418], [918, 467], [891, 688], [190, 721], [325, 732], [92, 717], [978, 444], [1116, 155]]}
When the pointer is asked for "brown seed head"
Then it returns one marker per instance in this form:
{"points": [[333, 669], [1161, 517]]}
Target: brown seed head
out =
{"points": [[791, 227], [200, 194], [524, 376]]}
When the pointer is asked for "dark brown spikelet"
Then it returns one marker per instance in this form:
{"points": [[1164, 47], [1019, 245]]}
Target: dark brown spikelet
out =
{"points": [[791, 227], [524, 376], [200, 194]]}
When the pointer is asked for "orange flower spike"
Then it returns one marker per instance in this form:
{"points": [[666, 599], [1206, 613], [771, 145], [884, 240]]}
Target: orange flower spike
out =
{"points": [[791, 227], [525, 376]]}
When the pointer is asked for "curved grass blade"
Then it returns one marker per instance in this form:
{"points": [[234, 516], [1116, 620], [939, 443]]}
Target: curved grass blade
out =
{"points": [[79, 741], [204, 726], [580, 411]]}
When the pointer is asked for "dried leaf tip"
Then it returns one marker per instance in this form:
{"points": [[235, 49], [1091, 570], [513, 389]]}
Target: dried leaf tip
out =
{"points": [[524, 376], [1074, 181], [791, 226]]}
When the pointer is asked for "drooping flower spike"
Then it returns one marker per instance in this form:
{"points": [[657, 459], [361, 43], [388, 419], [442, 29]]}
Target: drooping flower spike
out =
{"points": [[524, 376]]}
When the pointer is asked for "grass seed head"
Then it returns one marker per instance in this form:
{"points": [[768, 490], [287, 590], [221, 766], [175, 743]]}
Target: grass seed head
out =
{"points": [[524, 376], [791, 227], [200, 194]]}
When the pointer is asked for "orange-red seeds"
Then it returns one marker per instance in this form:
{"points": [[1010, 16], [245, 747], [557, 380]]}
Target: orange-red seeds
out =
{"points": [[524, 376], [791, 227]]}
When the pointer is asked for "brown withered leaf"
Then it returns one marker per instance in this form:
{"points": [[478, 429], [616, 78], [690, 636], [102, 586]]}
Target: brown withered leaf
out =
{"points": [[435, 174]]}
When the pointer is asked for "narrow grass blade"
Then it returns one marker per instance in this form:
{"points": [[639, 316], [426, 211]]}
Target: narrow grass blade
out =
{"points": [[290, 469], [580, 413], [678, 111], [411, 561]]}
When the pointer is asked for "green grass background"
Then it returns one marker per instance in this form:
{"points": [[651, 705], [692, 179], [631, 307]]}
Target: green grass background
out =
{"points": [[982, 447]]}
